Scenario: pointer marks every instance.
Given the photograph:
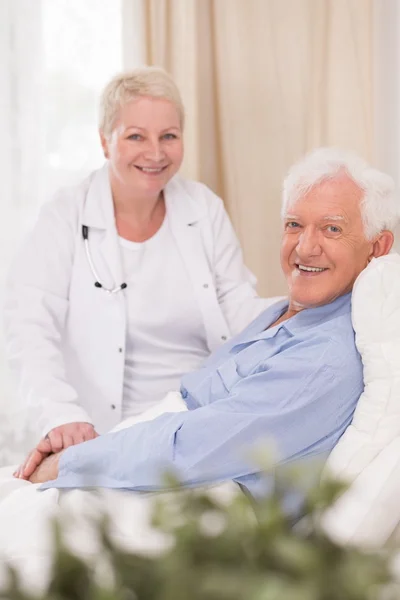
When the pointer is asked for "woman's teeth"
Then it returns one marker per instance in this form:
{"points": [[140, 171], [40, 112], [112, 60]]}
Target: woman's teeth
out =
{"points": [[151, 170]]}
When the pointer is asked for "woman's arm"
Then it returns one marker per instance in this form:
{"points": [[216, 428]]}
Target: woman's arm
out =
{"points": [[35, 311], [235, 283]]}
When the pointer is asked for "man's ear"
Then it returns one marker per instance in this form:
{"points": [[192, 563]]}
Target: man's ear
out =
{"points": [[383, 244], [104, 144]]}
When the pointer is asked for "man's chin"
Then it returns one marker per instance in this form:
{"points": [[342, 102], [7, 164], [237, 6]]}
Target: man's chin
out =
{"points": [[303, 301]]}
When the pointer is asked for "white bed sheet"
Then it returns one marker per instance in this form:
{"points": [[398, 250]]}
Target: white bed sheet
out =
{"points": [[26, 517]]}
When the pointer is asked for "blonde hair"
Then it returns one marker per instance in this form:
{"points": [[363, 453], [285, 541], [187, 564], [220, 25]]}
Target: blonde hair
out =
{"points": [[124, 87]]}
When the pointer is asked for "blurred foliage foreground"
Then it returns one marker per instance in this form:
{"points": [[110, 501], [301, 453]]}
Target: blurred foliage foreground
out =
{"points": [[223, 549]]}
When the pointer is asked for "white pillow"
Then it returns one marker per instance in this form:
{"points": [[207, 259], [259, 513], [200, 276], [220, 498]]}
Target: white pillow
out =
{"points": [[369, 512], [368, 454], [376, 321]]}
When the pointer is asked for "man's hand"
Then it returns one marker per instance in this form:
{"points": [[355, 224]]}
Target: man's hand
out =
{"points": [[57, 439], [47, 470]]}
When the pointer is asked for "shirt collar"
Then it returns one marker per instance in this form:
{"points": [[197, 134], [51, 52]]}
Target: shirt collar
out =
{"points": [[99, 207], [313, 316], [261, 327]]}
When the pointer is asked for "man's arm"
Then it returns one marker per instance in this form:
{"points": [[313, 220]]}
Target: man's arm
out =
{"points": [[303, 411]]}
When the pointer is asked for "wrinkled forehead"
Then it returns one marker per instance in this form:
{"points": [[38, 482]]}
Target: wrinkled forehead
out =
{"points": [[338, 198]]}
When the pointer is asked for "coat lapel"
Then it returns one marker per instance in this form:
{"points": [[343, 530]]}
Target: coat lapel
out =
{"points": [[98, 215], [185, 216], [191, 229]]}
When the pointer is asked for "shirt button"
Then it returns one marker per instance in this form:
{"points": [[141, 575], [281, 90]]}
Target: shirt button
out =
{"points": [[119, 349], [205, 285], [113, 406], [184, 393], [224, 338]]}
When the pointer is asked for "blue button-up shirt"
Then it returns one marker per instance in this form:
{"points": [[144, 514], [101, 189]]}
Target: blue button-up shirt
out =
{"points": [[295, 384]]}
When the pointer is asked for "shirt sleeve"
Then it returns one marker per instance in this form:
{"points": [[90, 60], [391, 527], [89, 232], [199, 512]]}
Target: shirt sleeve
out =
{"points": [[301, 411]]}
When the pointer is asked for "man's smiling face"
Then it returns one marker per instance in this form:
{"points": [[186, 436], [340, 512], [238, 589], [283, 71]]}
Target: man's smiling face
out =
{"points": [[324, 247]]}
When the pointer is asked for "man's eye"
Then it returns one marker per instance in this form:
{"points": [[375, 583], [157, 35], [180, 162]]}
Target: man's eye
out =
{"points": [[292, 225], [333, 229]]}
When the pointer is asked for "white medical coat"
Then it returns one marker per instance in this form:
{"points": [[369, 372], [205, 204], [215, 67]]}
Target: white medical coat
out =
{"points": [[65, 338]]}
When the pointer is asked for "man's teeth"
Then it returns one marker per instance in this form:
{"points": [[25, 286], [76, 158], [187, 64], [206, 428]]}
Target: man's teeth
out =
{"points": [[312, 269], [151, 170]]}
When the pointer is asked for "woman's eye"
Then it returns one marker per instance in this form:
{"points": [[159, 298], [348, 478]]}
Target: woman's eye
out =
{"points": [[170, 136], [135, 137]]}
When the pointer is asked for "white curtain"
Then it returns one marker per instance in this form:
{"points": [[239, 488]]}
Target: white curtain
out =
{"points": [[263, 82], [21, 159], [55, 57], [387, 90], [21, 114]]}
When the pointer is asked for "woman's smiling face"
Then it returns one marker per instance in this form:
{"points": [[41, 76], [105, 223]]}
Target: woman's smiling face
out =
{"points": [[146, 148]]}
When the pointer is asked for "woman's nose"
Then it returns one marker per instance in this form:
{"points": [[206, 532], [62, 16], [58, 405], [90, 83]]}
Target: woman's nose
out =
{"points": [[154, 151]]}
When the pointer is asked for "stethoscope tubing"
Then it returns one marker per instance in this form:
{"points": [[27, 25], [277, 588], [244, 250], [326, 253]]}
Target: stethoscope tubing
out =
{"points": [[97, 279]]}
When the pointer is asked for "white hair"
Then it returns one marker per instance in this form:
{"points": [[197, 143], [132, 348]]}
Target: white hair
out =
{"points": [[380, 208]]}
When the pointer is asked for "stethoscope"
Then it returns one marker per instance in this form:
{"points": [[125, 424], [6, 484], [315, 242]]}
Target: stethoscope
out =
{"points": [[97, 281]]}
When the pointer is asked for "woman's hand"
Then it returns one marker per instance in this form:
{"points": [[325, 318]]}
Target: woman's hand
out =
{"points": [[57, 439], [47, 470], [70, 434]]}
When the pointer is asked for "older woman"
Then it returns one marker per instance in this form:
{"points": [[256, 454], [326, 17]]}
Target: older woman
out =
{"points": [[128, 280]]}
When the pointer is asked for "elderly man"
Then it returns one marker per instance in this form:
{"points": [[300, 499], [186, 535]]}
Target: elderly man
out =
{"points": [[293, 376]]}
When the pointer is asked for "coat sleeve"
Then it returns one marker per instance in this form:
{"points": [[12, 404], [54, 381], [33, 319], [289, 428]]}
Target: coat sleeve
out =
{"points": [[35, 310], [235, 283]]}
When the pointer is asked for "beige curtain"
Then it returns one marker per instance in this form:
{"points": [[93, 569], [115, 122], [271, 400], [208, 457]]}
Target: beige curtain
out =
{"points": [[263, 81]]}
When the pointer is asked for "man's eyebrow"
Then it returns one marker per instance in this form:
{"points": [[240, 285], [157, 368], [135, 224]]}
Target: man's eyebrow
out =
{"points": [[334, 218], [325, 218]]}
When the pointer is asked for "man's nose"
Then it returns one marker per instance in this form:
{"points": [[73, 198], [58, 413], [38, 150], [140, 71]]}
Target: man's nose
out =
{"points": [[309, 243]]}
